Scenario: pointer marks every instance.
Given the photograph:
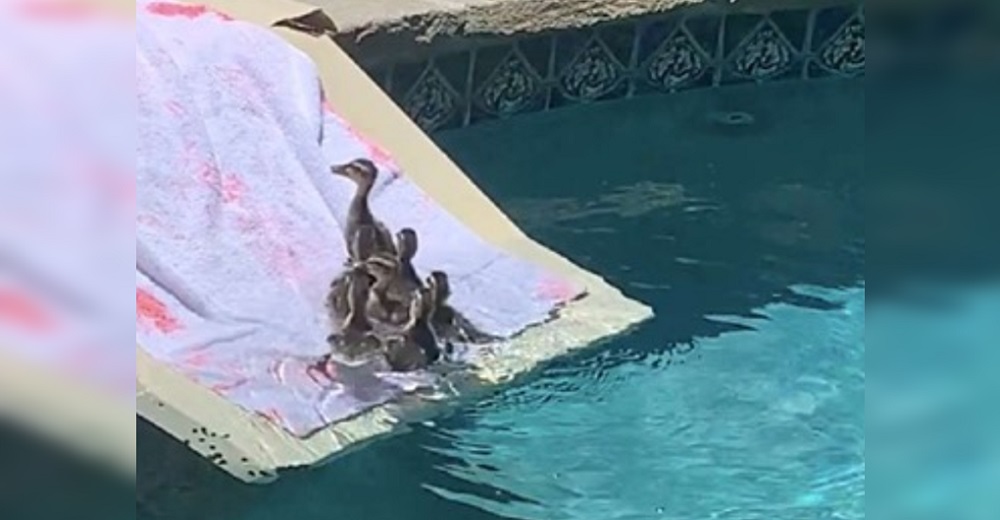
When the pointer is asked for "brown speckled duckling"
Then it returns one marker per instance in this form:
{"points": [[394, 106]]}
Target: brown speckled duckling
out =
{"points": [[359, 216], [355, 341], [417, 347], [395, 280], [337, 300], [405, 281], [448, 323], [388, 303], [406, 251]]}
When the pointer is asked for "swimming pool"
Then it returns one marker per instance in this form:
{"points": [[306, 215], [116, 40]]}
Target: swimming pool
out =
{"points": [[744, 398]]}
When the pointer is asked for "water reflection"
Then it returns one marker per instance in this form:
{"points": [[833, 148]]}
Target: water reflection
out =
{"points": [[571, 215]]}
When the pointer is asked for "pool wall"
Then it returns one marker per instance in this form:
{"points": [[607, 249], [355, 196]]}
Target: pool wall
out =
{"points": [[455, 80]]}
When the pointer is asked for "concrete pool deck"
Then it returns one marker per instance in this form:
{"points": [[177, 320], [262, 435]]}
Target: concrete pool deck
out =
{"points": [[424, 20], [429, 18], [381, 34]]}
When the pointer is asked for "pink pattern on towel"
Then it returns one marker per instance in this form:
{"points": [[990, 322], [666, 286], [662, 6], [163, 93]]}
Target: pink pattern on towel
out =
{"points": [[228, 186], [245, 86], [273, 241], [197, 359], [273, 415], [222, 388], [305, 373], [556, 289], [153, 222], [185, 10], [150, 311], [174, 107]]}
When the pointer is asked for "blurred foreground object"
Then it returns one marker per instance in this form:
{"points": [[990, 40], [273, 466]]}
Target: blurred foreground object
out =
{"points": [[44, 481], [933, 268], [67, 232]]}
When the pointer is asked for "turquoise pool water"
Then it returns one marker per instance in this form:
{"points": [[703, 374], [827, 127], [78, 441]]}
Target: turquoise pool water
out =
{"points": [[736, 214], [745, 398]]}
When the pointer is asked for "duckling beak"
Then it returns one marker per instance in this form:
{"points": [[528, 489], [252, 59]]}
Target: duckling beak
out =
{"points": [[340, 169]]}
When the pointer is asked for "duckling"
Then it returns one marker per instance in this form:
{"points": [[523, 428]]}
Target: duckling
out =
{"points": [[387, 303], [419, 328], [406, 250], [399, 289], [337, 299], [417, 347], [355, 340], [395, 279], [449, 324], [359, 216]]}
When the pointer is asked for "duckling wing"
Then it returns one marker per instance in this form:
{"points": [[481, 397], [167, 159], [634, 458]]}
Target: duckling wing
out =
{"points": [[361, 244], [366, 240], [424, 338], [445, 324], [405, 356], [382, 310], [409, 274], [384, 241], [336, 300], [353, 349]]}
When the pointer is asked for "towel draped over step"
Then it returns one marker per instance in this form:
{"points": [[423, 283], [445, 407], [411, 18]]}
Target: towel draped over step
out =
{"points": [[239, 224]]}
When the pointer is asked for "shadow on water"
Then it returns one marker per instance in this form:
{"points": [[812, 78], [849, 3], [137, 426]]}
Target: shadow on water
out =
{"points": [[706, 205], [384, 481]]}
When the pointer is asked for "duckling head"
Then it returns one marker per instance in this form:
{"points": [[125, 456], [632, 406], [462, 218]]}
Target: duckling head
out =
{"points": [[406, 243], [361, 171], [439, 286]]}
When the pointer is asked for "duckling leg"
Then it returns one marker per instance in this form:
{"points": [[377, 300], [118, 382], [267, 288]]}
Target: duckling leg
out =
{"points": [[321, 367], [469, 333]]}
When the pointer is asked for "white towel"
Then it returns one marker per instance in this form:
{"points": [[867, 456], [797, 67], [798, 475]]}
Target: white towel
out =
{"points": [[239, 223]]}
